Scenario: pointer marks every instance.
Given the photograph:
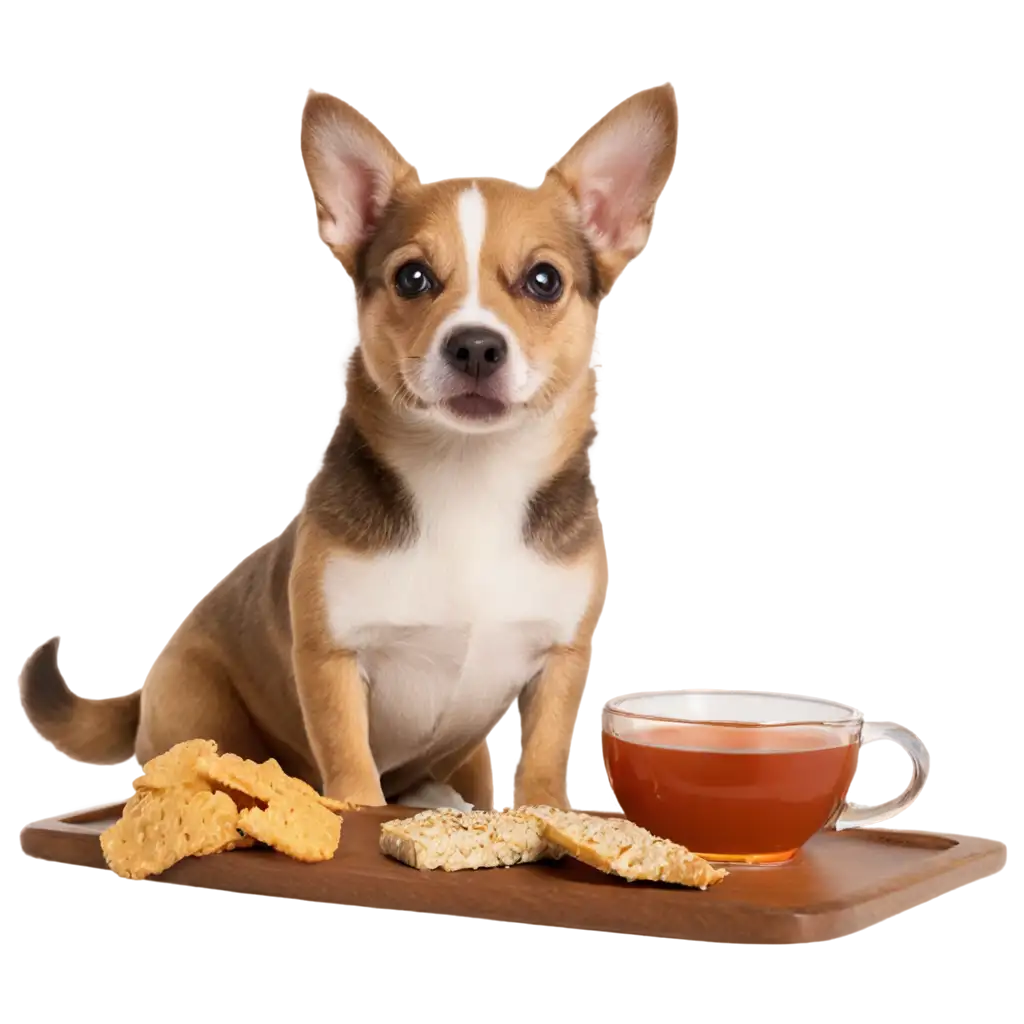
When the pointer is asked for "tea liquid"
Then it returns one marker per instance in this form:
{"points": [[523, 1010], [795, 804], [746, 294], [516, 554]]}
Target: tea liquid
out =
{"points": [[740, 791]]}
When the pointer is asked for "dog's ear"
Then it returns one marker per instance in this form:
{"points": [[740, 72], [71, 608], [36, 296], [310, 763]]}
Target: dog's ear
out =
{"points": [[354, 172], [617, 171]]}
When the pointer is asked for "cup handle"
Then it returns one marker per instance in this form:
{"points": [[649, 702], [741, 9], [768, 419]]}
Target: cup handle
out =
{"points": [[861, 814]]}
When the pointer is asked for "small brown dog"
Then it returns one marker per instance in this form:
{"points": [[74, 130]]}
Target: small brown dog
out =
{"points": [[448, 558]]}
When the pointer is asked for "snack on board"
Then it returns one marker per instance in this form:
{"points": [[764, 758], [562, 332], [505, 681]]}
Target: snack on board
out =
{"points": [[279, 810], [190, 802], [159, 827], [294, 825], [460, 840], [621, 848], [177, 766], [263, 782]]}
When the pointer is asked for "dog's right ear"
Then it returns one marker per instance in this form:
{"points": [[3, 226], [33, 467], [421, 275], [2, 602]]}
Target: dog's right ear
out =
{"points": [[354, 172]]}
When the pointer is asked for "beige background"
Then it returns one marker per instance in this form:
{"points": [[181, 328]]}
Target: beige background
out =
{"points": [[813, 404]]}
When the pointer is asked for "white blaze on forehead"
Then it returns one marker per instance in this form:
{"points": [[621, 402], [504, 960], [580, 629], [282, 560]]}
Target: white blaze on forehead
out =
{"points": [[472, 219], [472, 224]]}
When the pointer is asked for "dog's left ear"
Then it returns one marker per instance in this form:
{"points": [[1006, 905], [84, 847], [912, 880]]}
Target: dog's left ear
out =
{"points": [[354, 172], [616, 173]]}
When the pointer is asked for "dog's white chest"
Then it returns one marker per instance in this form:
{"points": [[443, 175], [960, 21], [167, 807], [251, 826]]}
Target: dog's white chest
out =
{"points": [[450, 630]]}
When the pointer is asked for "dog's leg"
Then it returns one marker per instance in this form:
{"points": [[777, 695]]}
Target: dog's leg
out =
{"points": [[473, 779], [188, 695], [548, 707], [335, 708], [331, 689]]}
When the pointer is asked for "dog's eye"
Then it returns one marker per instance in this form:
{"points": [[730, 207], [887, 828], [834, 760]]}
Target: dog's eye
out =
{"points": [[543, 282], [413, 279]]}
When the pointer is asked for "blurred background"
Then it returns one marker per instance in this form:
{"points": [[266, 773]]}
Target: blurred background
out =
{"points": [[813, 411]]}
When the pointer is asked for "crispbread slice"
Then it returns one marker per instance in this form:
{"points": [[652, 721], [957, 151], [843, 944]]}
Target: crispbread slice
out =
{"points": [[461, 840], [160, 827], [619, 847], [295, 825], [263, 782], [177, 766]]}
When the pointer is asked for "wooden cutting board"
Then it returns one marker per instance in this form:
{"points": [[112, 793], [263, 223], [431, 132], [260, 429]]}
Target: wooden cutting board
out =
{"points": [[839, 883]]}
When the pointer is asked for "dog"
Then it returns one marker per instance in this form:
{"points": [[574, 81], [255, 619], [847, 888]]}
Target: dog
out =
{"points": [[448, 559]]}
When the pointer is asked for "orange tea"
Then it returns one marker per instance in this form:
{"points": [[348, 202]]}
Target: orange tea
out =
{"points": [[735, 791]]}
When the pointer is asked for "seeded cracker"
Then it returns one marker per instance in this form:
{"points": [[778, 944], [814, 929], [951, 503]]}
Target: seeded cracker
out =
{"points": [[621, 848], [160, 827], [457, 841]]}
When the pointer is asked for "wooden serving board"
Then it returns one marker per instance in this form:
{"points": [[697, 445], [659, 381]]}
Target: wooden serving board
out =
{"points": [[839, 883]]}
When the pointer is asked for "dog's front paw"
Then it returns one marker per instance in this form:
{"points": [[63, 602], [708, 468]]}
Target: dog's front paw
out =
{"points": [[542, 796], [365, 795]]}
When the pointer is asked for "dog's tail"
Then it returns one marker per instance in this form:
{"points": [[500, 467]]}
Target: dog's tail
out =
{"points": [[96, 731]]}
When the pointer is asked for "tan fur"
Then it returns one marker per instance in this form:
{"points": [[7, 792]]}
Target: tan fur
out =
{"points": [[254, 667], [524, 226], [549, 705], [473, 779], [331, 691]]}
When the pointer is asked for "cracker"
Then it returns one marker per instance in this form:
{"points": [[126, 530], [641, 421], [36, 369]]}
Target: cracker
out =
{"points": [[190, 800], [177, 766], [619, 847], [295, 825], [460, 840], [262, 782], [160, 827]]}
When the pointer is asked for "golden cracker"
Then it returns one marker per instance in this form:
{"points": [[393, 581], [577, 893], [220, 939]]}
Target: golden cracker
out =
{"points": [[619, 847], [177, 766], [295, 825], [263, 782], [160, 827]]}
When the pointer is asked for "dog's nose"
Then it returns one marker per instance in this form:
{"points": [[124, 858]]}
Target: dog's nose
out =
{"points": [[476, 351]]}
